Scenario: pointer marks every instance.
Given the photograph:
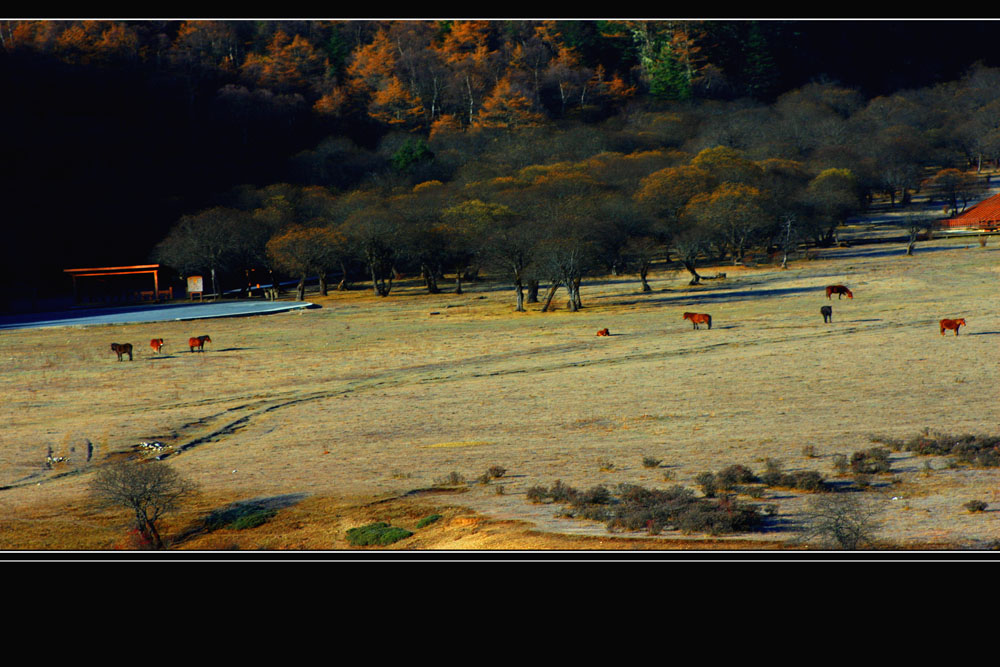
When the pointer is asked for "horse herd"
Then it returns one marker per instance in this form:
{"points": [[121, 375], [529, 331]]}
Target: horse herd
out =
{"points": [[696, 318], [121, 349], [826, 311]]}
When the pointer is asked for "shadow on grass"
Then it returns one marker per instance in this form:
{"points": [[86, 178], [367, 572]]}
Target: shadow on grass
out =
{"points": [[839, 253], [719, 295], [982, 333], [239, 515]]}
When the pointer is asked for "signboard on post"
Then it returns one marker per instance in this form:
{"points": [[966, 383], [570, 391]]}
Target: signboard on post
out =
{"points": [[195, 285]]}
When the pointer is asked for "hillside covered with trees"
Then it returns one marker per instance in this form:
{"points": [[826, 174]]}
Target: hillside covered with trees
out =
{"points": [[538, 151]]}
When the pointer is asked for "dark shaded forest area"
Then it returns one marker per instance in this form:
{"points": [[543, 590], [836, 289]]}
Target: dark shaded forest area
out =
{"points": [[116, 131]]}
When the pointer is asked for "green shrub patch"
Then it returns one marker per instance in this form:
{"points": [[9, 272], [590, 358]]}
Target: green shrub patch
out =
{"points": [[376, 534], [239, 517], [428, 520]]}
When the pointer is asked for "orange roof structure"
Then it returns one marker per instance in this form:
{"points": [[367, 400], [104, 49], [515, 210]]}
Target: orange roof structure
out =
{"points": [[154, 269], [984, 215]]}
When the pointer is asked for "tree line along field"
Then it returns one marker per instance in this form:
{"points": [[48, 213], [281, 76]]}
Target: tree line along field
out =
{"points": [[368, 399], [392, 144]]}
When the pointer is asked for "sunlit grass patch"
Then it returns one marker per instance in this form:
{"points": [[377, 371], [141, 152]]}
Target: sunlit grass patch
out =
{"points": [[460, 443]]}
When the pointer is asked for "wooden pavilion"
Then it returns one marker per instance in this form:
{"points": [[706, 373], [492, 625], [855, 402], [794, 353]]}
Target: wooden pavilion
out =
{"points": [[139, 269]]}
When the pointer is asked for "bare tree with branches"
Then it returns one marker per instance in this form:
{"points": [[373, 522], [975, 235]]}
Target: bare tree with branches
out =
{"points": [[150, 490]]}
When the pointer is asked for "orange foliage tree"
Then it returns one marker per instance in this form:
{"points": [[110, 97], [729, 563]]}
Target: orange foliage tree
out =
{"points": [[289, 63], [507, 108], [303, 250], [465, 50], [734, 214]]}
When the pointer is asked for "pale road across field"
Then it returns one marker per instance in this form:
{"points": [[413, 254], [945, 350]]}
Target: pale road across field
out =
{"points": [[139, 314]]}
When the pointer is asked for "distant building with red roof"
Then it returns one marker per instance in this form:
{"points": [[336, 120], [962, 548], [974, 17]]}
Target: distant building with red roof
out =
{"points": [[985, 215]]}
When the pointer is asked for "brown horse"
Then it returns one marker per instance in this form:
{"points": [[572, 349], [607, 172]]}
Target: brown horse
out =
{"points": [[699, 318], [603, 332], [952, 324], [839, 290], [156, 344], [122, 349], [199, 343]]}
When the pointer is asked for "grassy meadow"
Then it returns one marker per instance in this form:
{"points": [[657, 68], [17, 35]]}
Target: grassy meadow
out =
{"points": [[351, 412]]}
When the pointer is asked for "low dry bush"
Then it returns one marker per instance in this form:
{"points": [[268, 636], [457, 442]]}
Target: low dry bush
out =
{"points": [[843, 520], [870, 461], [975, 506], [452, 479], [630, 508], [802, 480], [840, 464], [981, 451], [729, 477], [708, 483]]}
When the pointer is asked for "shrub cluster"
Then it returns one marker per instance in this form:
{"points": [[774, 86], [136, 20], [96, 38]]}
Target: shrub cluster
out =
{"points": [[870, 461], [727, 479], [630, 507], [802, 480], [977, 450]]}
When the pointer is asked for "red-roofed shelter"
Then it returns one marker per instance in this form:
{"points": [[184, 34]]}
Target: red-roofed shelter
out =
{"points": [[985, 216]]}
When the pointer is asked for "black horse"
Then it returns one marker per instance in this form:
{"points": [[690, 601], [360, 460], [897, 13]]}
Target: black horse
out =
{"points": [[122, 348]]}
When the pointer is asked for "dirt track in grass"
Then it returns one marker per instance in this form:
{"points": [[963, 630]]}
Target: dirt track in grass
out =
{"points": [[369, 398]]}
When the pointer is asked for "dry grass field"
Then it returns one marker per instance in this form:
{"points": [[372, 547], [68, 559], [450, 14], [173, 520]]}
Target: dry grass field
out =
{"points": [[353, 412]]}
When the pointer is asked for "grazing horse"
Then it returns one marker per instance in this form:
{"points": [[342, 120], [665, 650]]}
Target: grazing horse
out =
{"points": [[121, 349], [839, 290], [952, 324], [603, 332], [699, 318], [199, 343], [156, 344], [827, 313]]}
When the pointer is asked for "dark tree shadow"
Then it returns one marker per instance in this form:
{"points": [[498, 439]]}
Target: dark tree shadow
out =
{"points": [[720, 295], [224, 516]]}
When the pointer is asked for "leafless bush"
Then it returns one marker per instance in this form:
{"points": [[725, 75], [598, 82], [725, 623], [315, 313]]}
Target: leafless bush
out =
{"points": [[843, 520]]}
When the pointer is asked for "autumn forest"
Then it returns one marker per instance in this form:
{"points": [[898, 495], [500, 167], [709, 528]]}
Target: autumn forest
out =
{"points": [[534, 152]]}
